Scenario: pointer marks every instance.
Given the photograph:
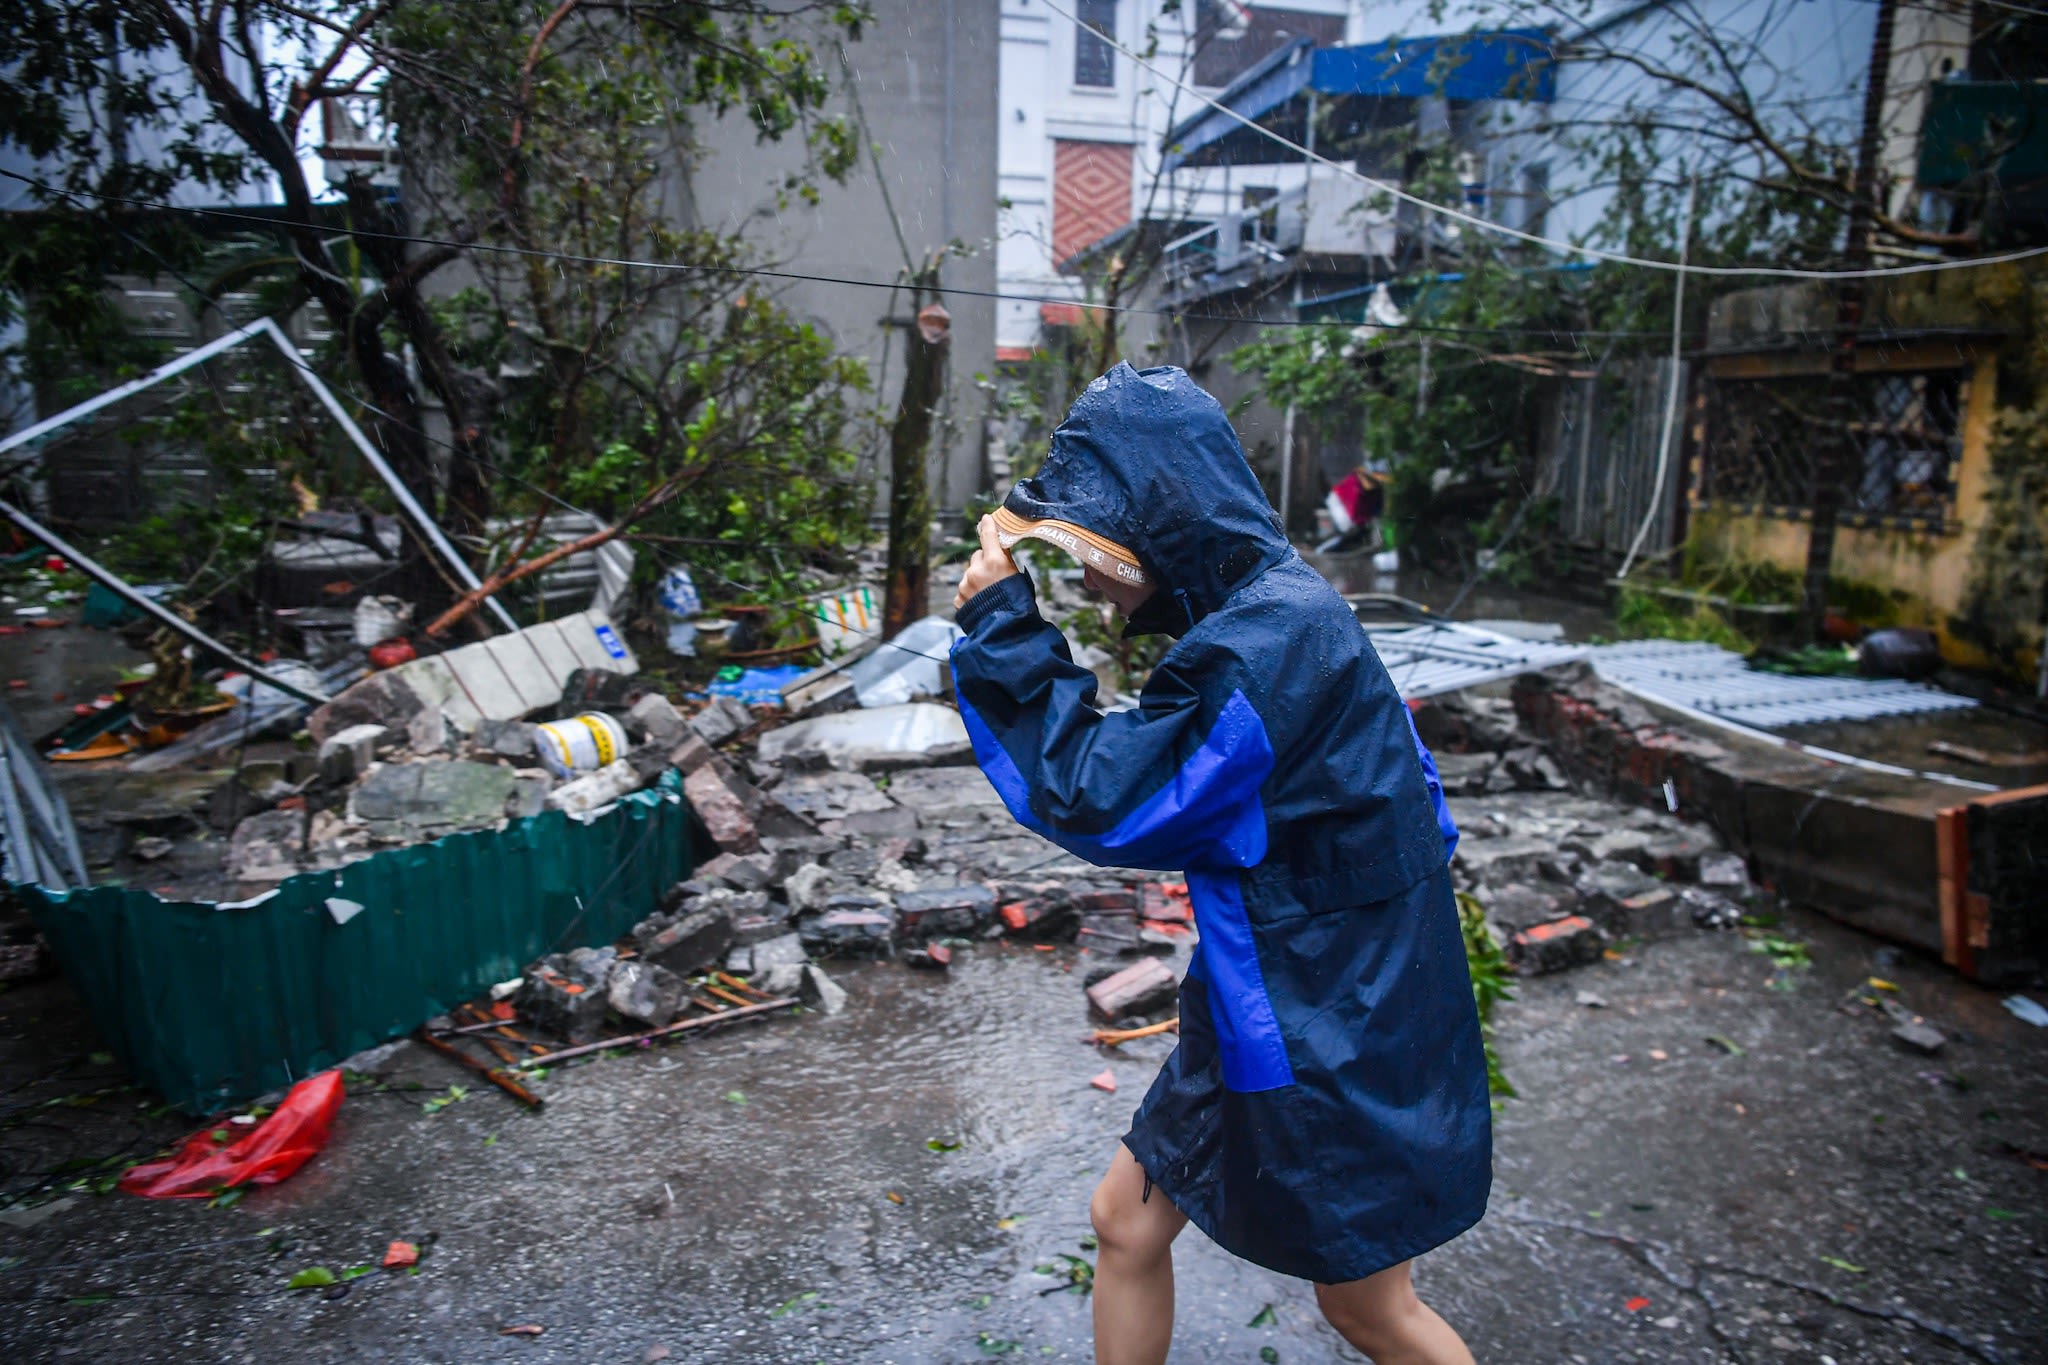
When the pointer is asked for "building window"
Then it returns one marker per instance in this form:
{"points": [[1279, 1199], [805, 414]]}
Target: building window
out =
{"points": [[1094, 58], [1898, 436]]}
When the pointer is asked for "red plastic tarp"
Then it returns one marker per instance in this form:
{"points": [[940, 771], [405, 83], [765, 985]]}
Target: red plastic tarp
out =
{"points": [[214, 1159]]}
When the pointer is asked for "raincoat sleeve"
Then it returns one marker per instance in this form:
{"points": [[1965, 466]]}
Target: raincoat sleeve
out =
{"points": [[1172, 784], [1445, 825]]}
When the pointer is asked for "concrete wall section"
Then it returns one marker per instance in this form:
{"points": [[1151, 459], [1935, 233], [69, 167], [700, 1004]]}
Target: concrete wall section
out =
{"points": [[927, 73]]}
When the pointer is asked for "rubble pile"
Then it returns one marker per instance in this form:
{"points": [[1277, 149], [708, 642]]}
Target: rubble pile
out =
{"points": [[1563, 876]]}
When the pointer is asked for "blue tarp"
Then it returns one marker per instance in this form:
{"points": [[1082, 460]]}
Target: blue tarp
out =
{"points": [[1506, 64]]}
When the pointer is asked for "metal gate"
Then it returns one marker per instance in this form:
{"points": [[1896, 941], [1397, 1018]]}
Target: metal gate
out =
{"points": [[1606, 460]]}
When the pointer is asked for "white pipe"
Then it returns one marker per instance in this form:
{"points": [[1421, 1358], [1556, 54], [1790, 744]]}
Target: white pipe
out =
{"points": [[107, 579], [1671, 394], [134, 386]]}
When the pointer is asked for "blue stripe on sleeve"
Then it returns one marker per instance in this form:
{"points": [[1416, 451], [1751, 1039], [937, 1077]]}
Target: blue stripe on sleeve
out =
{"points": [[1206, 814], [1444, 823], [1248, 1034]]}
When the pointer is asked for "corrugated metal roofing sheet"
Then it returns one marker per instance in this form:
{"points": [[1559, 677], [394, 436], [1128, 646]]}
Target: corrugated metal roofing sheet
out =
{"points": [[1707, 678], [1427, 661]]}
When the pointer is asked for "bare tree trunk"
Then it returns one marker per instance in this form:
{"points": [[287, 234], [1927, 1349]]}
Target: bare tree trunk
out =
{"points": [[1831, 469], [908, 593]]}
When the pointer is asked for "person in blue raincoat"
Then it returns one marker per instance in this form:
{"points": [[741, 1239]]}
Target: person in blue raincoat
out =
{"points": [[1325, 1113]]}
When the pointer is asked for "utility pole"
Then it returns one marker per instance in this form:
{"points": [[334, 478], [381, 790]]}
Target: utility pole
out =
{"points": [[1831, 468]]}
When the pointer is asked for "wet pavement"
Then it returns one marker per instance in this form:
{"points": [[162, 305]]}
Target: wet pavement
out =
{"points": [[1822, 1195]]}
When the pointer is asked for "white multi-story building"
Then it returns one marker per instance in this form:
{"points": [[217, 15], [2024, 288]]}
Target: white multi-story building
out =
{"points": [[1082, 127]]}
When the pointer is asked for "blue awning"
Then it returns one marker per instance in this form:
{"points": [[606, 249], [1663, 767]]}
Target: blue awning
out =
{"points": [[1504, 64]]}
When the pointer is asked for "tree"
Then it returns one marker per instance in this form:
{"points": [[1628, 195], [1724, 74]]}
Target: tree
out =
{"points": [[534, 139]]}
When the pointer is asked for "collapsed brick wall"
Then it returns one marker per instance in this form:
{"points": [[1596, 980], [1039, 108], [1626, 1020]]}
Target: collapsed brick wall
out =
{"points": [[1823, 843]]}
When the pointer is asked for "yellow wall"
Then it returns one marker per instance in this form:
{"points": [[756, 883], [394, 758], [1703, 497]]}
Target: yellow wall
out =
{"points": [[1930, 568]]}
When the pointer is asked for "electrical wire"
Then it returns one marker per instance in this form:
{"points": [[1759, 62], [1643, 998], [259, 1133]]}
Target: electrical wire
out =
{"points": [[1534, 239], [801, 277]]}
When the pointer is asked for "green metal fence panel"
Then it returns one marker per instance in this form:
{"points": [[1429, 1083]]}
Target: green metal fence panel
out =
{"points": [[215, 1004]]}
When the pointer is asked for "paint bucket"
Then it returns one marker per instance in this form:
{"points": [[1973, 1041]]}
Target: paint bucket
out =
{"points": [[581, 744]]}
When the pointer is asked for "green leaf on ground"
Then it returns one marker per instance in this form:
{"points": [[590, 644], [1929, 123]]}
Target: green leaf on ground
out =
{"points": [[1009, 1221], [804, 1300], [228, 1198], [356, 1272], [1727, 1045], [2000, 1214], [89, 1300], [1263, 1318], [1840, 1264], [312, 1277], [735, 1097], [440, 1102], [992, 1345], [942, 1145], [1269, 1355]]}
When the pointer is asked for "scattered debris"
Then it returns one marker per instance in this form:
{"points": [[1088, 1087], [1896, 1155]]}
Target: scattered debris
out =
{"points": [[2026, 1010], [1104, 1081], [220, 1158]]}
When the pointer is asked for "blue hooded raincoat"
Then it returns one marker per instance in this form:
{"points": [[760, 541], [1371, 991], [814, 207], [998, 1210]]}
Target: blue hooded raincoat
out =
{"points": [[1325, 1113]]}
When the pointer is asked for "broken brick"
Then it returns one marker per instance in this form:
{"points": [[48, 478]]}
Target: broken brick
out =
{"points": [[1140, 988], [1556, 946]]}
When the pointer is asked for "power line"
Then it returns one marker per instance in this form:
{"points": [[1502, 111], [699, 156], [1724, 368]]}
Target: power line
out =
{"points": [[1569, 248], [796, 276]]}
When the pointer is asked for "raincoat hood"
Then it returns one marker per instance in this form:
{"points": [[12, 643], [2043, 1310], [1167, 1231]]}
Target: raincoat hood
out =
{"points": [[1148, 460]]}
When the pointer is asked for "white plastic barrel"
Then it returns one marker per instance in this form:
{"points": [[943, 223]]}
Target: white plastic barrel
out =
{"points": [[581, 744]]}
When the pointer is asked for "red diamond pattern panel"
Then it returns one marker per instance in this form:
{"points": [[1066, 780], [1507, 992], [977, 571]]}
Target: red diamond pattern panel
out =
{"points": [[1091, 193]]}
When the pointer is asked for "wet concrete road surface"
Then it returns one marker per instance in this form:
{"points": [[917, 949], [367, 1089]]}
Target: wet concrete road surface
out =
{"points": [[1822, 1195]]}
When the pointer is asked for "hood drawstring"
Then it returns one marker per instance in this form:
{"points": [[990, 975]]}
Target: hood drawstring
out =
{"points": [[1186, 605]]}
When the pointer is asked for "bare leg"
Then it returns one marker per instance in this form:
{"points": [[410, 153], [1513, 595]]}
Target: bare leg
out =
{"points": [[1381, 1316], [1134, 1266]]}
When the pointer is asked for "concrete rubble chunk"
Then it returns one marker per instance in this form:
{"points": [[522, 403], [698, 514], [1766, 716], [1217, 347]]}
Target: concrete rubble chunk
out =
{"points": [[1727, 870], [1557, 946], [1464, 774], [690, 943], [831, 795], [1140, 988], [553, 1004], [511, 740], [646, 992], [411, 802], [880, 739], [1517, 906], [946, 912], [722, 810], [893, 822], [820, 991], [582, 795], [381, 699], [529, 795], [1920, 1037], [721, 720], [348, 755], [784, 978], [743, 871], [690, 754], [427, 731], [657, 718], [786, 951], [851, 926], [267, 847], [1497, 862], [808, 887]]}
